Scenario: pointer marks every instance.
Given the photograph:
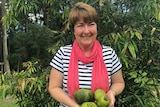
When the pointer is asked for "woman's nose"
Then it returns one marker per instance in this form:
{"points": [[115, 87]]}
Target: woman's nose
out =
{"points": [[86, 29]]}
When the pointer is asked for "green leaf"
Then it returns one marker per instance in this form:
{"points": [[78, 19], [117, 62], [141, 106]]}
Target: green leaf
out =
{"points": [[144, 74], [145, 79], [132, 50], [2, 77], [125, 47], [133, 74], [153, 30], [140, 71], [138, 80], [3, 93], [138, 35], [139, 99], [150, 82], [132, 34], [124, 59], [135, 46]]}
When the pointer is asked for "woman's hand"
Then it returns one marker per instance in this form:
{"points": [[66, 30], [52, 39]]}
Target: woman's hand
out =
{"points": [[111, 96], [116, 88]]}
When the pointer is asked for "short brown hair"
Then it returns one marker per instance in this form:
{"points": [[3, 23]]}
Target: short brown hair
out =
{"points": [[84, 11]]}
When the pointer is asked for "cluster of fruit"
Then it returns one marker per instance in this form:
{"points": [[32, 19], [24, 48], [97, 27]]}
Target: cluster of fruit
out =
{"points": [[86, 98]]}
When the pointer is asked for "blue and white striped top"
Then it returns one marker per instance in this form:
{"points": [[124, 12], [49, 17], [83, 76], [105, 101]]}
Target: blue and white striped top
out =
{"points": [[61, 63]]}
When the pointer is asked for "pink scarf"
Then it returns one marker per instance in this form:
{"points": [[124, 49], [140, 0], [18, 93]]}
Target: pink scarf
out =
{"points": [[99, 72]]}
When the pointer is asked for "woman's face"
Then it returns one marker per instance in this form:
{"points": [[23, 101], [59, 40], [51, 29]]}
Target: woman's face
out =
{"points": [[85, 33]]}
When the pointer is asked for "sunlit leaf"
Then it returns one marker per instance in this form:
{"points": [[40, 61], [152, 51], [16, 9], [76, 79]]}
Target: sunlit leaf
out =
{"points": [[135, 46], [138, 80], [125, 47], [138, 35], [133, 74], [132, 50], [153, 30], [144, 74], [4, 94], [22, 85]]}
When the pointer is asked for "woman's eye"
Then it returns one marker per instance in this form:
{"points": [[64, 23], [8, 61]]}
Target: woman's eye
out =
{"points": [[91, 24], [80, 25]]}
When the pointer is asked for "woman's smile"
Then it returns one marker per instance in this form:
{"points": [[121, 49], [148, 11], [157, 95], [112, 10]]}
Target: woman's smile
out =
{"points": [[86, 36], [85, 33]]}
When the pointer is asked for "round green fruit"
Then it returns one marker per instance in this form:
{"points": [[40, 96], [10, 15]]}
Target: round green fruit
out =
{"points": [[88, 104], [99, 93], [83, 95], [103, 102]]}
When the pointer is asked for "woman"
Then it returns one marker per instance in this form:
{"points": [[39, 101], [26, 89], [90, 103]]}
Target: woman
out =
{"points": [[85, 63]]}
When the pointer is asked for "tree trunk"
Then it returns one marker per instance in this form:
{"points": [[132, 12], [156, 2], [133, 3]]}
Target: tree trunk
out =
{"points": [[4, 35]]}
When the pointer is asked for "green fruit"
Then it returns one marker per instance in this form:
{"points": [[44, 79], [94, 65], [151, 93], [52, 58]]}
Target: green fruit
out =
{"points": [[99, 93], [88, 104], [83, 95], [103, 102]]}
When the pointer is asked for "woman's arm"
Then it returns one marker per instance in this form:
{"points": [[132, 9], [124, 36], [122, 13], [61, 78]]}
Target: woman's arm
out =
{"points": [[117, 86], [56, 91]]}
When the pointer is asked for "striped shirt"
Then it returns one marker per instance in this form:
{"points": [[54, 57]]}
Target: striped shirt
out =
{"points": [[61, 63]]}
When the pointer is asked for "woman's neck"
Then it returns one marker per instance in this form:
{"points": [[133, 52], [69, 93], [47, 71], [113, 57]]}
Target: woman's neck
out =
{"points": [[87, 49]]}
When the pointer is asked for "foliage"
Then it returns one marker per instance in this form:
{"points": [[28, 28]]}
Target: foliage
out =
{"points": [[138, 47], [142, 90], [29, 86], [31, 45]]}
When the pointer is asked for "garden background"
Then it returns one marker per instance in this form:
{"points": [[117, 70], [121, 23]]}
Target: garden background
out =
{"points": [[33, 30]]}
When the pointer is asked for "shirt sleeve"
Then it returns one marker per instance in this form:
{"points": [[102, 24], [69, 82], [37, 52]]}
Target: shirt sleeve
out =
{"points": [[116, 65], [56, 62]]}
